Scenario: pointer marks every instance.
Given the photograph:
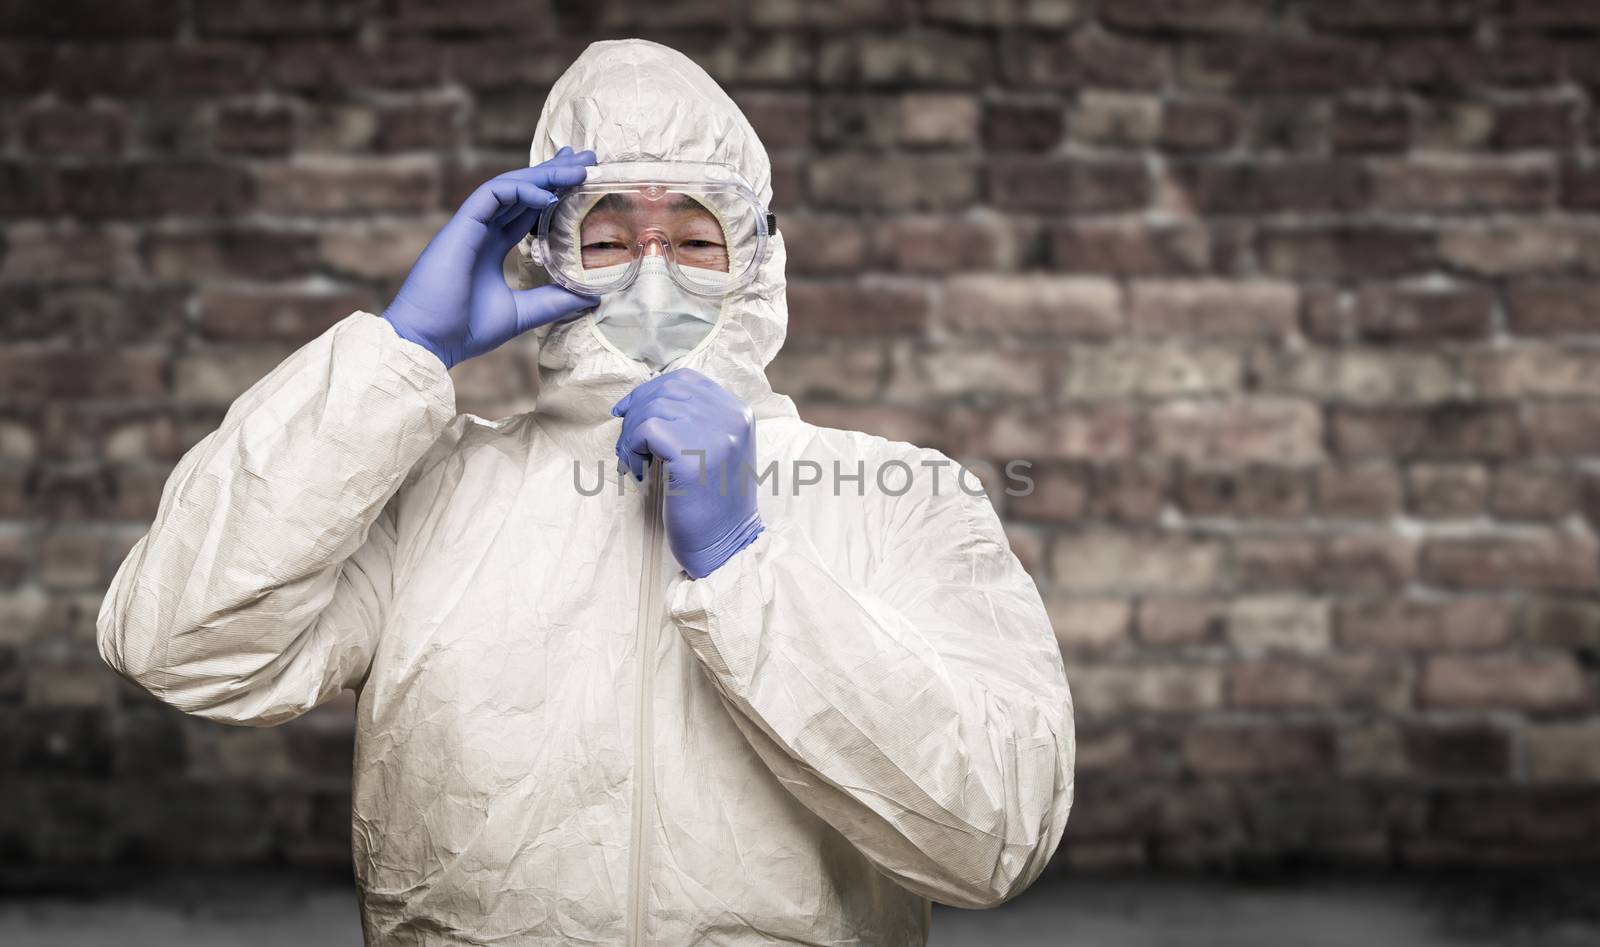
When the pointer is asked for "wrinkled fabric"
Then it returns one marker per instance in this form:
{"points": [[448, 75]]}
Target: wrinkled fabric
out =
{"points": [[561, 738]]}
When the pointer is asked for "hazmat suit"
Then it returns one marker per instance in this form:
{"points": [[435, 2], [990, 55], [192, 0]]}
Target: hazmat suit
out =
{"points": [[562, 737]]}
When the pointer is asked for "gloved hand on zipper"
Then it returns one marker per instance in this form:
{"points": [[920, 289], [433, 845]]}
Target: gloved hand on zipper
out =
{"points": [[455, 302], [707, 439]]}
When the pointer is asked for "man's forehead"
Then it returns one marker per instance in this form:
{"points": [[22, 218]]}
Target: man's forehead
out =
{"points": [[623, 203]]}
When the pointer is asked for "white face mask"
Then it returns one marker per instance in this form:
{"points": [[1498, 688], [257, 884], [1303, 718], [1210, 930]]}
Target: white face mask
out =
{"points": [[654, 319]]}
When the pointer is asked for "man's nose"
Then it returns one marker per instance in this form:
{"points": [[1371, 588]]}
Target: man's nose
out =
{"points": [[654, 244]]}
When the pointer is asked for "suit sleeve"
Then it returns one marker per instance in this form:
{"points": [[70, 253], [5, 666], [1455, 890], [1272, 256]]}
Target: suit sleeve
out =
{"points": [[923, 711], [259, 590]]}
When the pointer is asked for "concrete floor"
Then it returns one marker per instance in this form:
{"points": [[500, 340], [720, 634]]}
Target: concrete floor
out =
{"points": [[1137, 912]]}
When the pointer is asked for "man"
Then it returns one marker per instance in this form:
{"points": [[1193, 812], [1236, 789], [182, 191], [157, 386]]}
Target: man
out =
{"points": [[659, 712]]}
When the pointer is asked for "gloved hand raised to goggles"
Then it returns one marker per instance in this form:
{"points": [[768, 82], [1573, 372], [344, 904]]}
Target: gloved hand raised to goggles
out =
{"points": [[706, 438], [455, 302]]}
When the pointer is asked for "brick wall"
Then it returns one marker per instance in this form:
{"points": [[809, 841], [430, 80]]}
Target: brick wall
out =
{"points": [[1293, 305]]}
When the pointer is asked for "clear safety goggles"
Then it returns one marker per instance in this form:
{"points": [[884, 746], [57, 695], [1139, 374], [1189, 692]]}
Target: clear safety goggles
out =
{"points": [[700, 217]]}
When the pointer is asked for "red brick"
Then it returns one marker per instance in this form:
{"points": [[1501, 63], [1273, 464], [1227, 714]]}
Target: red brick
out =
{"points": [[485, 15], [333, 68], [1357, 491], [1535, 125], [1537, 371], [1537, 827], [422, 126], [1442, 491], [1392, 314], [1088, 433], [1102, 690], [1131, 249], [853, 373], [855, 121], [1278, 623], [369, 251], [1448, 431], [73, 18], [1544, 682], [1554, 13], [347, 189], [1212, 308], [1562, 753], [1199, 16], [1544, 560], [1106, 560], [250, 316], [1361, 127], [1561, 622], [1237, 432], [52, 374], [1088, 625], [254, 130], [231, 252], [1193, 125], [1435, 64], [1129, 493], [1180, 622], [1084, 58], [1254, 492], [1333, 682], [1345, 250], [1265, 750], [929, 244], [152, 190], [1067, 185], [1426, 625], [1162, 369], [1383, 16], [1526, 247], [1267, 187], [1023, 125], [933, 119], [856, 308], [1352, 562], [1032, 305], [916, 182], [781, 120], [964, 13], [1553, 308], [1457, 750], [824, 244], [1354, 375], [1532, 493], [929, 373], [1563, 429], [896, 60], [58, 129], [271, 18], [1281, 64], [1403, 186], [1059, 494]]}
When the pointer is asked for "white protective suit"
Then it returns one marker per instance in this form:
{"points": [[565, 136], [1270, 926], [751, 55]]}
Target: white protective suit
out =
{"points": [[561, 737]]}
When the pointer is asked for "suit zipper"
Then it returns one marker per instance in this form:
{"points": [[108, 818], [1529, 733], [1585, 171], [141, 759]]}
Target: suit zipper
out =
{"points": [[644, 738]]}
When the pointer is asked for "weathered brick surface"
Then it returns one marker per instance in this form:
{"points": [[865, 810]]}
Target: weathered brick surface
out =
{"points": [[1294, 307]]}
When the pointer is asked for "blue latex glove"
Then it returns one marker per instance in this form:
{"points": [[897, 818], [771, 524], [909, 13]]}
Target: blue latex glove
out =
{"points": [[455, 302], [672, 417]]}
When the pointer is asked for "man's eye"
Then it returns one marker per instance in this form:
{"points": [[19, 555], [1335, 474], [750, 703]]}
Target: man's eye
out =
{"points": [[605, 245], [701, 244]]}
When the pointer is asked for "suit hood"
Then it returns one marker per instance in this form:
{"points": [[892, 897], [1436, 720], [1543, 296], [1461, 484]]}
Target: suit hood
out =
{"points": [[634, 100]]}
